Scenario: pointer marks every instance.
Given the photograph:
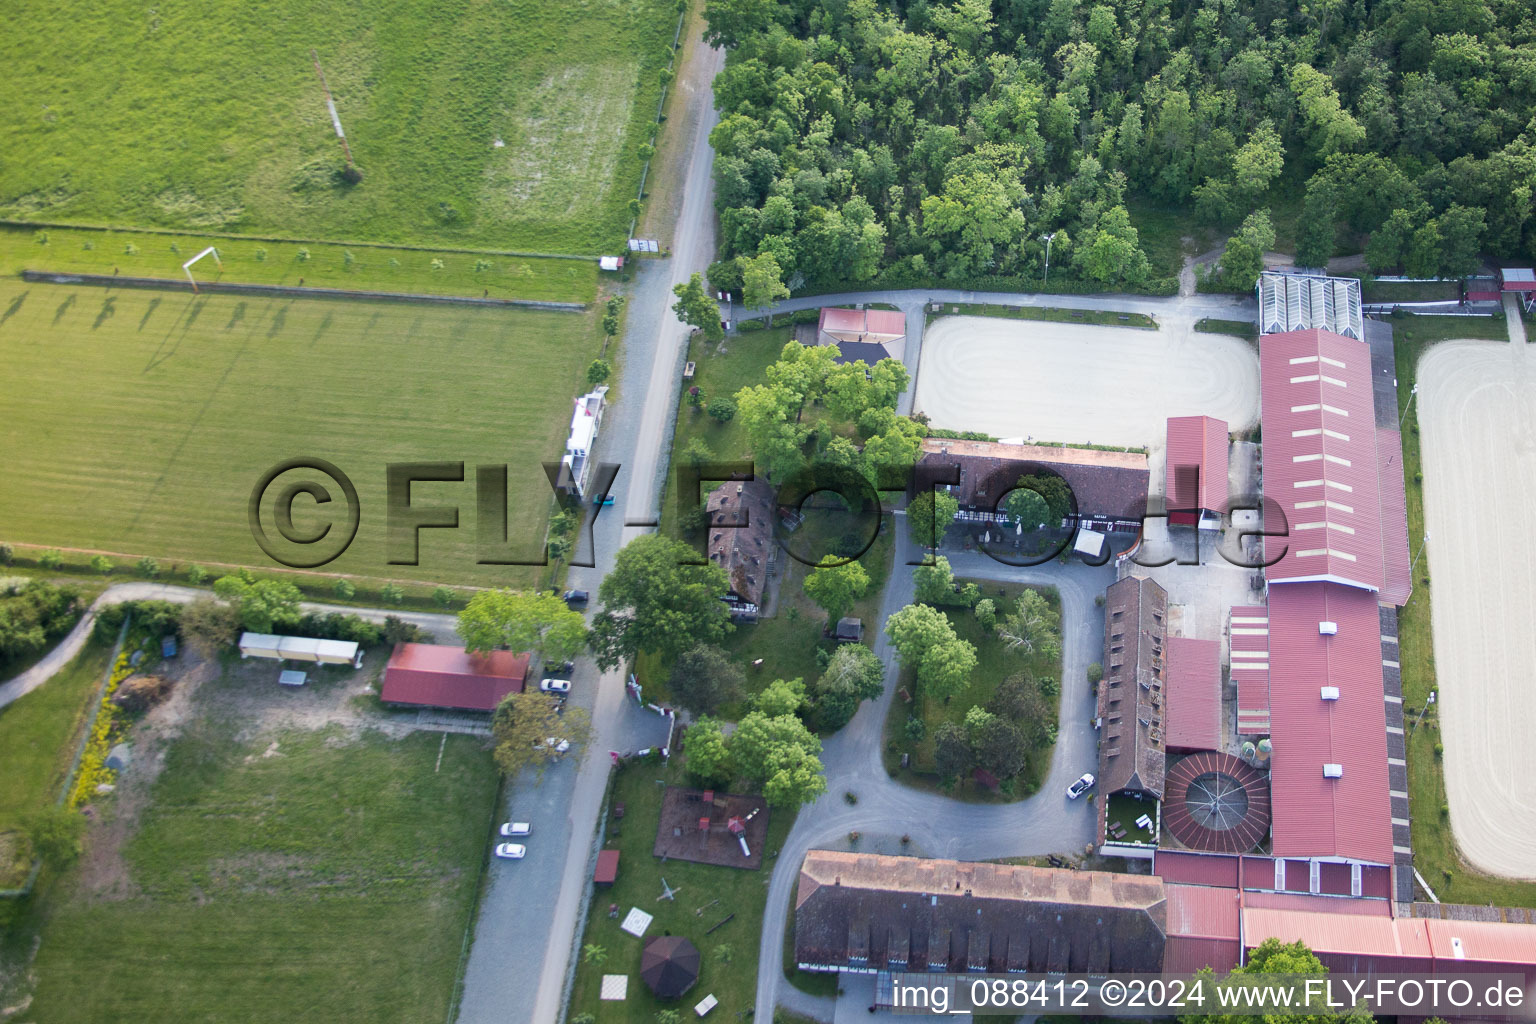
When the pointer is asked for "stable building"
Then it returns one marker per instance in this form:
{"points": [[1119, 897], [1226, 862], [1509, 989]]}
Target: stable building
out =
{"points": [[872, 914], [1132, 745], [1195, 479], [1109, 488], [438, 676]]}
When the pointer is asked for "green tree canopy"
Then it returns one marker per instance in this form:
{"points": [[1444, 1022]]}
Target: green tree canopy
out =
{"points": [[707, 754], [929, 515], [779, 753], [695, 307], [655, 601], [264, 605], [537, 622], [704, 678], [835, 584]]}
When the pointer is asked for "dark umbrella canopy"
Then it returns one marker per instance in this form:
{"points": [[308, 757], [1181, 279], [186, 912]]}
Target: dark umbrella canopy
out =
{"points": [[669, 964]]}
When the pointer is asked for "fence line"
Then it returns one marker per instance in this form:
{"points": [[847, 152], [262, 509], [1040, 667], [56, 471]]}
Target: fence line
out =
{"points": [[290, 291], [234, 237]]}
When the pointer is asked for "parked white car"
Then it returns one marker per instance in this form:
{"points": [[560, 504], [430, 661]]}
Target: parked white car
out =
{"points": [[1081, 786], [555, 685], [516, 828], [511, 851]]}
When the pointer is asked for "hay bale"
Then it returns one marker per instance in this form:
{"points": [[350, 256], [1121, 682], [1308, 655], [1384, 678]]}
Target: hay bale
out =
{"points": [[141, 691]]}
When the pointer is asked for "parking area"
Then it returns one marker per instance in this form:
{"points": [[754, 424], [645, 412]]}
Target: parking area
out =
{"points": [[1477, 416], [1079, 383]]}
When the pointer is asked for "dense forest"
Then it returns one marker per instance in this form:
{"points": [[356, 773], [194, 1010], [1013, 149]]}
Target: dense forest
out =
{"points": [[899, 143]]}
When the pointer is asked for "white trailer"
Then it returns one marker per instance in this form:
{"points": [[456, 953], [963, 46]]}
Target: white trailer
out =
{"points": [[301, 648]]}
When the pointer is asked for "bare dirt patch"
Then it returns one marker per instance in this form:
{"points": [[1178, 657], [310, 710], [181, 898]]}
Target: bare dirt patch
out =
{"points": [[1081, 383], [246, 692], [1477, 411]]}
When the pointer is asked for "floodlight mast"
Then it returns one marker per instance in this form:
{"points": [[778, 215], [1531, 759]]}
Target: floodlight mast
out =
{"points": [[187, 266], [330, 105]]}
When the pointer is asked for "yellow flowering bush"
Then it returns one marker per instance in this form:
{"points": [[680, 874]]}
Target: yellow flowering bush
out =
{"points": [[93, 769]]}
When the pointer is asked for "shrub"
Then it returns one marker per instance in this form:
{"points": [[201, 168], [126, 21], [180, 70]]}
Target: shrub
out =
{"points": [[101, 564], [261, 255], [350, 174], [1095, 673], [148, 567], [914, 730], [646, 151], [1098, 601], [1050, 686], [722, 410], [344, 589], [598, 372], [7, 554], [50, 559], [850, 797], [196, 575], [695, 396], [55, 834], [391, 593], [398, 631], [442, 597], [482, 265], [1439, 750], [302, 255]]}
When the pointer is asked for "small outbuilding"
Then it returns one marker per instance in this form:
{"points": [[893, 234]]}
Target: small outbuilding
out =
{"points": [[607, 870], [669, 965], [436, 676], [850, 630]]}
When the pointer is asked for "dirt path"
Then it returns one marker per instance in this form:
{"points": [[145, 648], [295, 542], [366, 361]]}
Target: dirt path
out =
{"points": [[1477, 412]]}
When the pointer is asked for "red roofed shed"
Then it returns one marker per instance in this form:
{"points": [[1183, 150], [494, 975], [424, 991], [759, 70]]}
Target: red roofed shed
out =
{"points": [[1327, 711], [1202, 929], [607, 870], [1196, 470], [1194, 694], [433, 676]]}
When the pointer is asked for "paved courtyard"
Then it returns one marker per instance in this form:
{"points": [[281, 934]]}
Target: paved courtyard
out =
{"points": [[1081, 383], [1477, 414]]}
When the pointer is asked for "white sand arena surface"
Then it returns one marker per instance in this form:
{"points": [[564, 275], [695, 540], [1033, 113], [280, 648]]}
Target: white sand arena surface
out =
{"points": [[1079, 383], [1477, 416]]}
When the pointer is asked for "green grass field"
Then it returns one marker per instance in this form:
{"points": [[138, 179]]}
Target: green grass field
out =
{"points": [[38, 735], [315, 264], [139, 422], [213, 117], [332, 883]]}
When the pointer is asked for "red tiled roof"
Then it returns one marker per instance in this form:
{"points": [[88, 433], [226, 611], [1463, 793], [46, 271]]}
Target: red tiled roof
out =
{"points": [[1397, 585], [1202, 929], [1196, 472], [1320, 471], [1346, 941], [1316, 816], [885, 321], [834, 319], [1195, 868], [1249, 656], [1319, 904], [1194, 694], [449, 677]]}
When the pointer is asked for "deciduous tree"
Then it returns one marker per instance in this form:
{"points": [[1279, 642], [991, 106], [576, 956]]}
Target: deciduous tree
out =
{"points": [[704, 678], [655, 601], [835, 584], [537, 622]]}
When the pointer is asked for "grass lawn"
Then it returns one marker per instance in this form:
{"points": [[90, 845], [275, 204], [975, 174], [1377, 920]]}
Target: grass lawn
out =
{"points": [[285, 887], [141, 422], [718, 891], [1124, 810], [994, 663], [1162, 231], [213, 117], [1105, 318], [39, 734], [319, 264], [1237, 328], [1372, 290], [1434, 847]]}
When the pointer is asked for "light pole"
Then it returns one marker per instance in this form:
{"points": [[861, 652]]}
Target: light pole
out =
{"points": [[1415, 566], [1047, 240], [1411, 396]]}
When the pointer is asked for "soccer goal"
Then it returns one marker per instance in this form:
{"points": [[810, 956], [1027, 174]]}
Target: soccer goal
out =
{"points": [[187, 266]]}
